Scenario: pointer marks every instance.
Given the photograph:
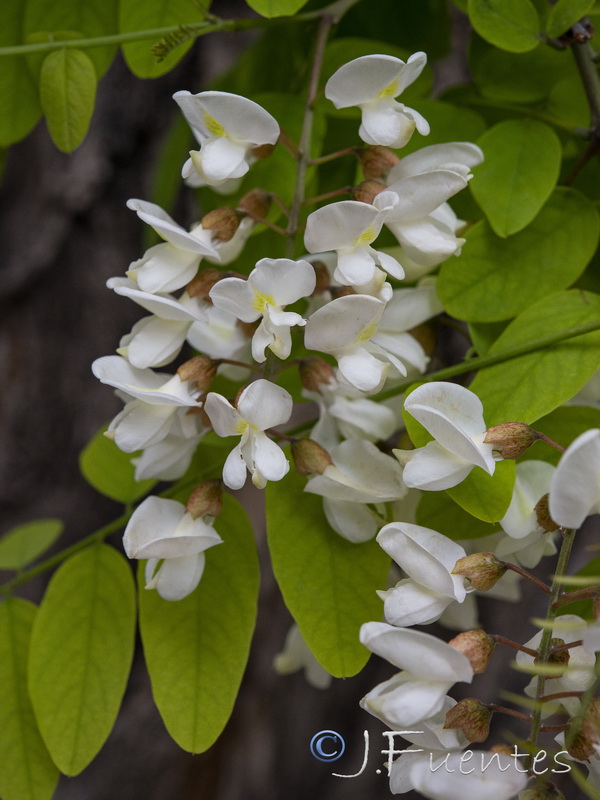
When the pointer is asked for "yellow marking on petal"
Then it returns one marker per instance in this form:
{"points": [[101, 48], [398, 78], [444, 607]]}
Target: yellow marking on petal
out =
{"points": [[367, 332], [213, 127], [391, 90], [241, 427], [261, 301], [366, 237]]}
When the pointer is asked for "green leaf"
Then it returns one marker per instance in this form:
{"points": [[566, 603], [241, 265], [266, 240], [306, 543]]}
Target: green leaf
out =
{"points": [[495, 279], [196, 649], [327, 583], [564, 14], [521, 168], [563, 425], [26, 769], [90, 18], [81, 653], [436, 510], [23, 544], [141, 15], [448, 123], [276, 8], [18, 91], [531, 386], [110, 471], [512, 25], [484, 496], [484, 334], [68, 93]]}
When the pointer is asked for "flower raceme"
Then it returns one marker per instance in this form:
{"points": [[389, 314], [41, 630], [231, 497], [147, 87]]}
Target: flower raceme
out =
{"points": [[454, 417]]}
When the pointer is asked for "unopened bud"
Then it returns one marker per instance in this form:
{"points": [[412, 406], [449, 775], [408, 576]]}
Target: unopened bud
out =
{"points": [[425, 336], [511, 439], [206, 499], [542, 514], [483, 570], [579, 746], [341, 291], [222, 222], [559, 661], [315, 373], [472, 718], [200, 369], [198, 411], [477, 646], [256, 202], [542, 792], [502, 749], [367, 191], [309, 457], [323, 278], [204, 281], [262, 151], [376, 161], [591, 721]]}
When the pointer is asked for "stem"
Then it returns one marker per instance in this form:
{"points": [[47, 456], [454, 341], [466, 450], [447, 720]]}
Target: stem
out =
{"points": [[515, 645], [557, 695], [327, 195], [481, 362], [545, 647], [579, 594], [332, 156], [543, 438], [524, 574], [43, 566], [509, 711], [584, 56], [560, 648], [262, 221], [325, 24]]}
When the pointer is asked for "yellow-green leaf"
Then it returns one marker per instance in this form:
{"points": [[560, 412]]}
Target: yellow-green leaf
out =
{"points": [[23, 544], [276, 8]]}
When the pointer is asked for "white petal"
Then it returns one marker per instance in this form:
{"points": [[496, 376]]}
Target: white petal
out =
{"points": [[240, 117], [166, 227], [411, 307], [234, 469], [178, 577], [382, 124], [495, 778], [390, 265], [340, 225], [164, 268], [405, 700], [362, 418], [425, 240], [269, 459], [409, 603], [235, 296], [532, 482], [223, 159], [265, 405], [419, 195], [342, 322], [140, 425], [224, 418], [362, 370], [163, 307], [575, 489], [353, 521], [154, 342], [404, 346], [355, 268], [153, 518], [285, 280], [362, 79], [435, 157], [433, 468]]}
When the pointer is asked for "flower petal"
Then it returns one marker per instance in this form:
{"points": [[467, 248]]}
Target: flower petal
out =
{"points": [[264, 404], [410, 603], [178, 577], [166, 227], [432, 468], [575, 488], [353, 521], [285, 280]]}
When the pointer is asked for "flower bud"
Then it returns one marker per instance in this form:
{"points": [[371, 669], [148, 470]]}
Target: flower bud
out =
{"points": [[502, 749], [477, 646], [591, 721], [579, 746], [341, 291], [199, 412], [511, 439], [262, 151], [542, 514], [200, 369], [376, 161], [206, 499], [472, 717], [201, 285], [323, 278], [256, 202], [222, 222], [425, 336], [558, 660], [310, 458], [542, 792], [482, 569], [315, 373], [367, 191]]}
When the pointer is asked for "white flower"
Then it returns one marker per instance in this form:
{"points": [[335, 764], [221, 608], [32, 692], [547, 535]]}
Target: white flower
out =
{"points": [[372, 83], [163, 529], [430, 667], [360, 474], [428, 559], [457, 157], [273, 284], [532, 483], [159, 404], [493, 776], [297, 655], [169, 266], [349, 228], [260, 406], [347, 328], [454, 417], [227, 127], [578, 674], [170, 458], [575, 488]]}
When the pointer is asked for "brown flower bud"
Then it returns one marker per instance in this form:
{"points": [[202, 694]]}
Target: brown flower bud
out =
{"points": [[315, 373], [262, 151], [200, 369], [482, 569], [579, 746], [323, 277], [206, 499], [471, 717], [542, 514], [341, 291], [559, 661], [502, 749], [477, 646], [367, 191], [376, 161], [591, 721], [222, 222], [309, 457], [425, 336], [202, 416], [511, 439], [256, 202], [542, 792], [201, 285]]}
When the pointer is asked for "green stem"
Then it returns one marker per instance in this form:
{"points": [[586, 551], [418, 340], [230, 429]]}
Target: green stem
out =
{"points": [[545, 646], [481, 362], [53, 561], [584, 56]]}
